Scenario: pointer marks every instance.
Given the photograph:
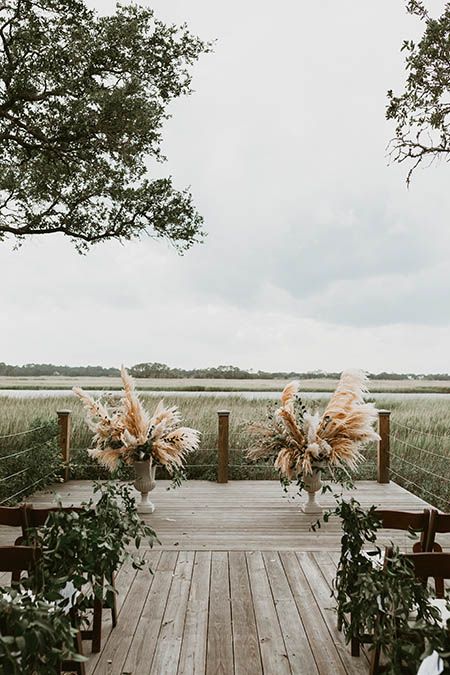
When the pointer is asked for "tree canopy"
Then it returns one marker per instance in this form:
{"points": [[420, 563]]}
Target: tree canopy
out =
{"points": [[82, 101], [422, 112]]}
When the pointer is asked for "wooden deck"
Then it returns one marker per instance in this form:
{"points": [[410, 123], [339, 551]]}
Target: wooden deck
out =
{"points": [[240, 585]]}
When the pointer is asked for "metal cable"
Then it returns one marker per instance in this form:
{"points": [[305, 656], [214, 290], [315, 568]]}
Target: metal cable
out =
{"points": [[13, 475], [16, 454], [416, 447], [21, 433], [419, 487], [419, 431], [36, 482], [416, 466]]}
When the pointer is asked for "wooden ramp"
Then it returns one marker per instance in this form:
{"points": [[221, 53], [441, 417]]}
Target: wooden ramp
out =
{"points": [[240, 584]]}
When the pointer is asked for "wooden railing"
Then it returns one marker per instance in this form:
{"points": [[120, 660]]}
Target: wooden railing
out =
{"points": [[382, 450], [223, 445], [383, 459], [64, 424]]}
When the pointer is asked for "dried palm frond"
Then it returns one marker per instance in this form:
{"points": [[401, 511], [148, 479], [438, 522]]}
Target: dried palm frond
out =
{"points": [[171, 449], [347, 421], [288, 394], [108, 458], [107, 427], [271, 437], [291, 425], [136, 419], [286, 462], [169, 417]]}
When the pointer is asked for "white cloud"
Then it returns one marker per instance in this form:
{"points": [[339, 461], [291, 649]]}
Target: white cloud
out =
{"points": [[317, 255]]}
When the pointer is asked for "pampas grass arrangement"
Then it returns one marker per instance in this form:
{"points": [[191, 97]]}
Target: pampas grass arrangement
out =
{"points": [[125, 432], [300, 443]]}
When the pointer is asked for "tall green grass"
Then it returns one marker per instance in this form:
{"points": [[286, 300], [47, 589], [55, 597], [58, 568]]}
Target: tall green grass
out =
{"points": [[420, 448], [29, 461], [428, 422]]}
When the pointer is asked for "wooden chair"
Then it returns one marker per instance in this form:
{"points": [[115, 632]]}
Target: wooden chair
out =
{"points": [[439, 524], [426, 565], [408, 521], [398, 520], [18, 559], [36, 517], [12, 516]]}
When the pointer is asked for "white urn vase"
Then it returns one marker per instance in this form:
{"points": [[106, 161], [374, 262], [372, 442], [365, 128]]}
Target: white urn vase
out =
{"points": [[312, 483], [145, 482]]}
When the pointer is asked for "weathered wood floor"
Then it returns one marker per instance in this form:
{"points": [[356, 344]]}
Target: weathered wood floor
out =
{"points": [[240, 585], [243, 515]]}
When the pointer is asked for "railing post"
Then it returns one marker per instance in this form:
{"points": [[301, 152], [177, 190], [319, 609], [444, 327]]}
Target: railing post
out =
{"points": [[383, 446], [64, 424], [222, 463]]}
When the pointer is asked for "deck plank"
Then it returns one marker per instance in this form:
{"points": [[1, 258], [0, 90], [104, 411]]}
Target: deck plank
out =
{"points": [[219, 660], [168, 646], [322, 594], [297, 644], [115, 651], [273, 649], [193, 649], [247, 659], [144, 639], [324, 650], [124, 581]]}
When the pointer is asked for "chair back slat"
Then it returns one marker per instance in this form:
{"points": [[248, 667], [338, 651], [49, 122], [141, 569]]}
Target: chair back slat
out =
{"points": [[11, 516], [439, 524], [431, 564], [18, 558], [408, 521], [36, 517]]}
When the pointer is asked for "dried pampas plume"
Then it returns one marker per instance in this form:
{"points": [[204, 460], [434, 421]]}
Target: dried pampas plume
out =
{"points": [[300, 443], [128, 433], [289, 393]]}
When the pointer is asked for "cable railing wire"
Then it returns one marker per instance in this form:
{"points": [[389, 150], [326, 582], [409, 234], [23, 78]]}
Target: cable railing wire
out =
{"points": [[13, 475], [420, 488], [28, 487], [416, 447], [15, 454], [419, 431], [421, 468], [22, 433]]}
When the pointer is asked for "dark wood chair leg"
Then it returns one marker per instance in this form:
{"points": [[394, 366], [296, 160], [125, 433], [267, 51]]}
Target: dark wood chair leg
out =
{"points": [[375, 661], [97, 626], [75, 666], [114, 610], [81, 668], [111, 602], [15, 577], [440, 589], [355, 647]]}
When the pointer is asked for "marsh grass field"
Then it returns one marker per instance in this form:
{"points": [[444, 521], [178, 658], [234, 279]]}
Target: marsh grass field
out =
{"points": [[420, 437], [216, 385]]}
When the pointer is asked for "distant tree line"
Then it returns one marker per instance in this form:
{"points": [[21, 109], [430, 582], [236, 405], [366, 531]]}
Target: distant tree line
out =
{"points": [[162, 370], [49, 369]]}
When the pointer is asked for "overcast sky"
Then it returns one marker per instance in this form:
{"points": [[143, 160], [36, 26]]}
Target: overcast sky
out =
{"points": [[317, 255]]}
